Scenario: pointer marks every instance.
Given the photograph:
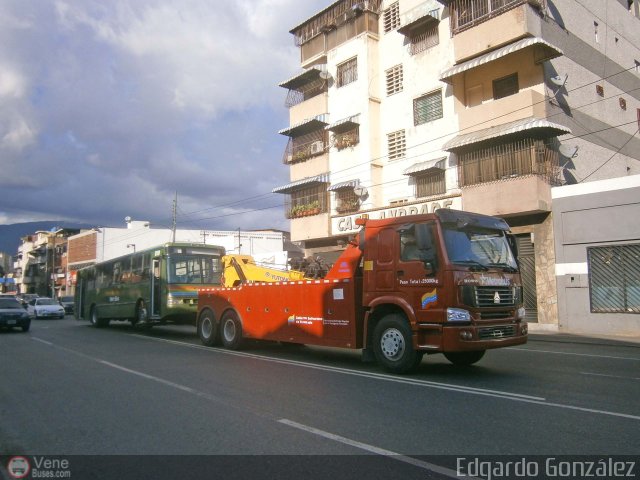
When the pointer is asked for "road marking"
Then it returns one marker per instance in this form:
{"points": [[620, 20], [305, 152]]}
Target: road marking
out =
{"points": [[574, 354], [470, 390], [356, 373], [372, 449], [610, 376], [41, 341]]}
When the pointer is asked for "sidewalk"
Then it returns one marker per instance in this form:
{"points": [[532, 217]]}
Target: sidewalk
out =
{"points": [[561, 337]]}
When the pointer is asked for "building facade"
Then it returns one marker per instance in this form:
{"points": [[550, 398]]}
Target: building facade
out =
{"points": [[407, 106]]}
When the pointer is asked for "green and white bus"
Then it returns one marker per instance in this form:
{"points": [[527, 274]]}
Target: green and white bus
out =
{"points": [[150, 287]]}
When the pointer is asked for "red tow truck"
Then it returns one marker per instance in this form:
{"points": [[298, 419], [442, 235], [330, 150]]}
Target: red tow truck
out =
{"points": [[446, 282]]}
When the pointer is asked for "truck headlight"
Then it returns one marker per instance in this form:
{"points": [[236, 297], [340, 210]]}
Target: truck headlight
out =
{"points": [[458, 315]]}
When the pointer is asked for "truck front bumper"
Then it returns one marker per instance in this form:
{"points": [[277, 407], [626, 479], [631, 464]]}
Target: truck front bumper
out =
{"points": [[462, 338]]}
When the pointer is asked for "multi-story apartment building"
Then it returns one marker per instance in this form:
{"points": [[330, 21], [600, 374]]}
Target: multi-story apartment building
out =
{"points": [[484, 105], [40, 265]]}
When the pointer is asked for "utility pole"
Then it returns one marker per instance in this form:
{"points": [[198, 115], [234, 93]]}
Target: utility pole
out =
{"points": [[204, 236], [173, 225]]}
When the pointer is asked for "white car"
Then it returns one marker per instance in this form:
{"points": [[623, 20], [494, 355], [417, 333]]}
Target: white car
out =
{"points": [[43, 307]]}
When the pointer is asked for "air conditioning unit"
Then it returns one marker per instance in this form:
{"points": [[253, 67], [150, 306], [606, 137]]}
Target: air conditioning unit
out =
{"points": [[317, 147]]}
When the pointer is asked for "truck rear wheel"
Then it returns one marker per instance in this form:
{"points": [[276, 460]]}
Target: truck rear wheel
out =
{"points": [[464, 359], [393, 346], [231, 332], [207, 327]]}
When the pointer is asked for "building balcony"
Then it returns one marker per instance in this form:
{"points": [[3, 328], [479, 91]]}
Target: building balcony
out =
{"points": [[509, 197], [310, 108], [310, 226], [478, 29]]}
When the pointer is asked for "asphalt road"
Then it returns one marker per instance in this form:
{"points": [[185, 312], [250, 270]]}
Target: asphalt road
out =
{"points": [[70, 390]]}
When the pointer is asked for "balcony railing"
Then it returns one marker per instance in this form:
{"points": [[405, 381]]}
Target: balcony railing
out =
{"points": [[469, 13], [511, 160]]}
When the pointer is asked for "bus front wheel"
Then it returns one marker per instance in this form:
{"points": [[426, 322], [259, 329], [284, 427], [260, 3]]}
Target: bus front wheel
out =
{"points": [[231, 330], [207, 327]]}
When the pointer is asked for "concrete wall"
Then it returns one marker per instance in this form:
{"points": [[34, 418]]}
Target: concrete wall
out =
{"points": [[592, 214]]}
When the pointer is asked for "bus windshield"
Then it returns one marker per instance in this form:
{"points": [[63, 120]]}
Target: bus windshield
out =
{"points": [[479, 247], [194, 269]]}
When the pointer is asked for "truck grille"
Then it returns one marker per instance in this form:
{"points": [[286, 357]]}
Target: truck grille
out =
{"points": [[501, 331], [494, 297]]}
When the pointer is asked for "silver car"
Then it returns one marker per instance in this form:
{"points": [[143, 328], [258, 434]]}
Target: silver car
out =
{"points": [[43, 307]]}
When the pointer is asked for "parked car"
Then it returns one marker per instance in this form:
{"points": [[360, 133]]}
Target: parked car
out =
{"points": [[12, 314], [67, 303], [25, 298], [43, 307]]}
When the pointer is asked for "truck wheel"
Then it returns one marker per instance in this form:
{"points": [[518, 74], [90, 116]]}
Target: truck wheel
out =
{"points": [[392, 344], [464, 359], [207, 327], [231, 330]]}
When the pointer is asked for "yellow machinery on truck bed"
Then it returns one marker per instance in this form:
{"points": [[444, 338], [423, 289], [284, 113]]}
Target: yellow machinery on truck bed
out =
{"points": [[241, 269]]}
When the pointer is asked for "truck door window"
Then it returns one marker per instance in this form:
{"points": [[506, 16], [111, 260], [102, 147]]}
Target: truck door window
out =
{"points": [[411, 249]]}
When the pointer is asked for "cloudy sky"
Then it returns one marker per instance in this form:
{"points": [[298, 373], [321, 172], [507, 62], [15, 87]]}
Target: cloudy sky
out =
{"points": [[108, 108]]}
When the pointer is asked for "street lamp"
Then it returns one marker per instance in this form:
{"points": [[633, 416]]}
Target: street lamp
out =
{"points": [[132, 245]]}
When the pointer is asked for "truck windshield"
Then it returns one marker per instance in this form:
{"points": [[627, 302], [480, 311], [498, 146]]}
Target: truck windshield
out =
{"points": [[197, 269], [479, 248]]}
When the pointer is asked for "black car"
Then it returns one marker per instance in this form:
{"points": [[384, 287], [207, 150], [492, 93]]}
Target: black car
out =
{"points": [[13, 314], [67, 303]]}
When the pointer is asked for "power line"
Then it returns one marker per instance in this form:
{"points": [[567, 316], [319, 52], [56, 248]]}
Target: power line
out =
{"points": [[611, 157]]}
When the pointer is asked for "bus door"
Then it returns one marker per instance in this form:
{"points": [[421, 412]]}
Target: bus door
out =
{"points": [[155, 289]]}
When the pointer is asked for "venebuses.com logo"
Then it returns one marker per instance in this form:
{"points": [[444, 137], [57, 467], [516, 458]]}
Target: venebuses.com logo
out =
{"points": [[18, 467]]}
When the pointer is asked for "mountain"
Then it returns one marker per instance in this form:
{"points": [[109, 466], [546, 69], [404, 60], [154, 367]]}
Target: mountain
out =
{"points": [[10, 234]]}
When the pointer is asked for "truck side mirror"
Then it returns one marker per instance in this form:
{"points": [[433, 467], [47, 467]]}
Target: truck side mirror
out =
{"points": [[427, 247]]}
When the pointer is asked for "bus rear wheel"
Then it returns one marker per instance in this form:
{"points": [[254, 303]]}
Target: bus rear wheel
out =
{"points": [[96, 321], [231, 332], [207, 327], [141, 317]]}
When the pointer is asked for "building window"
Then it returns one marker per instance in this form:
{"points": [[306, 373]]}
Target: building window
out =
{"points": [[346, 139], [431, 183], [397, 145], [347, 72], [307, 201], [505, 86], [427, 108], [394, 80], [346, 201], [422, 39], [391, 17], [614, 278]]}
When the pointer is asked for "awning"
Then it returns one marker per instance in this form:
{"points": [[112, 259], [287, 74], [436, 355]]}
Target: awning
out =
{"points": [[305, 182], [306, 126], [417, 168], [344, 185], [345, 124], [537, 127], [304, 77], [422, 16], [545, 51]]}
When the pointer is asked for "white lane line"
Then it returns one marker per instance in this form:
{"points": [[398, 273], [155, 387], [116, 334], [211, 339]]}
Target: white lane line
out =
{"points": [[42, 341], [373, 449], [609, 376], [574, 354], [356, 373], [148, 377]]}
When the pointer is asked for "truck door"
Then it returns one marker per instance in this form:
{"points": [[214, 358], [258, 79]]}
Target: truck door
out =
{"points": [[418, 276]]}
